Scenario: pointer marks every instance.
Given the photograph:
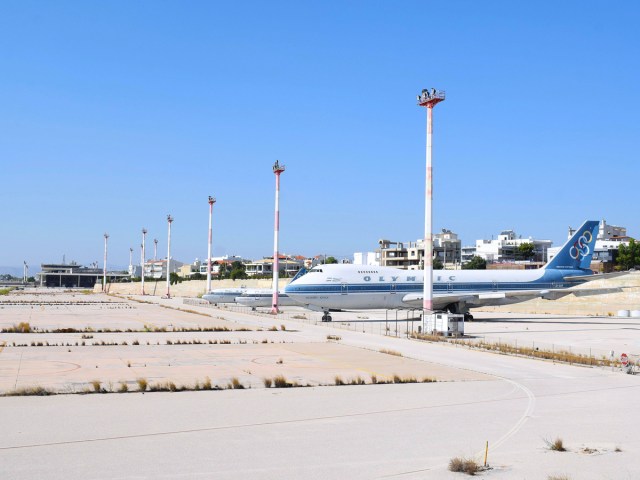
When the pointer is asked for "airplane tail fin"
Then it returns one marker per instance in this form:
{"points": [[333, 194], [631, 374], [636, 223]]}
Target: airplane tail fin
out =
{"points": [[578, 251]]}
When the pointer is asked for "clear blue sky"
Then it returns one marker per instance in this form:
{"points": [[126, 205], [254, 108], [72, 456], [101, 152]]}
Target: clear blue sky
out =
{"points": [[113, 114]]}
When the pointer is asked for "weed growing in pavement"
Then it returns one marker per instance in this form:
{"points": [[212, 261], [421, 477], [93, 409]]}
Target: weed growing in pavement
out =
{"points": [[463, 465], [390, 352], [142, 384], [557, 445]]}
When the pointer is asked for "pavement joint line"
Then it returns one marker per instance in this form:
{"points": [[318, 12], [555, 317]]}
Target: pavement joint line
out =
{"points": [[261, 424]]}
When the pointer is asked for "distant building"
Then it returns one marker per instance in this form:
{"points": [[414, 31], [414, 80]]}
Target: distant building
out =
{"points": [[290, 266], [157, 269], [408, 255], [74, 276], [366, 258], [504, 249], [222, 260], [467, 253]]}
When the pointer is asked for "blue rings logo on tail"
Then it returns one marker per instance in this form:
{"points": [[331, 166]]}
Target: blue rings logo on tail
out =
{"points": [[580, 249]]}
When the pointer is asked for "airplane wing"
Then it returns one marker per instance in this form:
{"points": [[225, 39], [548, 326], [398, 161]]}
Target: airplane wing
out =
{"points": [[597, 276], [478, 299]]}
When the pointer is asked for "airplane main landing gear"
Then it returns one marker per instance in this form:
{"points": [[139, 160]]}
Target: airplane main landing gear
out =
{"points": [[468, 317], [326, 317]]}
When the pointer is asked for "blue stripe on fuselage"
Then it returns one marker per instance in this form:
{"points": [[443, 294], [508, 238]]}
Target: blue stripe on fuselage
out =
{"points": [[551, 279]]}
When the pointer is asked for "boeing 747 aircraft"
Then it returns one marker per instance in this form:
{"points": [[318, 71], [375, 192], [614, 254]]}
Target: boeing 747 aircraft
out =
{"points": [[357, 287]]}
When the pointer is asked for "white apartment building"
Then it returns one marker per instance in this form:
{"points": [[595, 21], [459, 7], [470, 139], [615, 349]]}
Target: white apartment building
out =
{"points": [[366, 258], [408, 255], [505, 248]]}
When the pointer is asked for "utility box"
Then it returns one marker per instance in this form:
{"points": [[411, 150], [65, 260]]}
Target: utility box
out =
{"points": [[446, 324]]}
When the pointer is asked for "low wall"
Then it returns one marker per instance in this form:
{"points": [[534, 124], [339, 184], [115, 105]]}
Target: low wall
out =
{"points": [[191, 288]]}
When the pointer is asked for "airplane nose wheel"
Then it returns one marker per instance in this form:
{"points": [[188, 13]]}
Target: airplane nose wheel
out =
{"points": [[326, 317]]}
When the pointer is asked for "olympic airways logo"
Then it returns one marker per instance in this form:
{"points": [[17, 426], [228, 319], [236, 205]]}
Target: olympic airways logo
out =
{"points": [[580, 249]]}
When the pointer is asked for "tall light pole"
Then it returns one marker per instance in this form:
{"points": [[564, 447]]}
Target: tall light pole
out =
{"points": [[277, 170], [212, 200], [429, 99], [155, 249], [25, 273], [131, 261], [169, 221], [104, 270], [144, 236]]}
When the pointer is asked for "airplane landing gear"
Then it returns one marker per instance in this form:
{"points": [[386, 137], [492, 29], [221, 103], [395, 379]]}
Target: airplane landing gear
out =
{"points": [[468, 317], [326, 317]]}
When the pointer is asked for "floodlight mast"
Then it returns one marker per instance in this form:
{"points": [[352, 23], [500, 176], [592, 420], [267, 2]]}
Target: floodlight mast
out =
{"points": [[104, 271], [429, 98], [155, 249], [212, 200], [169, 221], [277, 170], [144, 235]]}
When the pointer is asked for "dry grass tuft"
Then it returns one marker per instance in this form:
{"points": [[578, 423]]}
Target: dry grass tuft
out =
{"points": [[390, 352], [338, 380], [142, 384], [123, 388], [334, 337], [29, 391], [557, 445], [235, 384], [22, 327], [268, 382], [558, 477], [466, 465], [281, 382], [96, 384]]}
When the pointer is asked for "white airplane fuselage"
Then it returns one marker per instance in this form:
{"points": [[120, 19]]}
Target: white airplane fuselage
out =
{"points": [[353, 287]]}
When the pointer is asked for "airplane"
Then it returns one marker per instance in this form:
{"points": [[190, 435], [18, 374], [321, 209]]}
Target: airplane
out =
{"points": [[263, 297], [224, 295], [357, 287], [250, 297]]}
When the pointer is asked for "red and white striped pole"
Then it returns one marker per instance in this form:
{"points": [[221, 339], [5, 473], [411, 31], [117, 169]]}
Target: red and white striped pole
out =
{"points": [[212, 200], [429, 99], [144, 235], [104, 271], [169, 221], [277, 169]]}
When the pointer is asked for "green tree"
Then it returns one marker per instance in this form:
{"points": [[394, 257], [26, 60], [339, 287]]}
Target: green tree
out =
{"points": [[330, 260], [437, 263], [628, 256], [526, 250], [174, 278], [238, 273], [476, 263]]}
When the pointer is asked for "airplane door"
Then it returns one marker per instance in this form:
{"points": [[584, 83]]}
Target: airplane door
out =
{"points": [[344, 288], [449, 287], [494, 286], [394, 288]]}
